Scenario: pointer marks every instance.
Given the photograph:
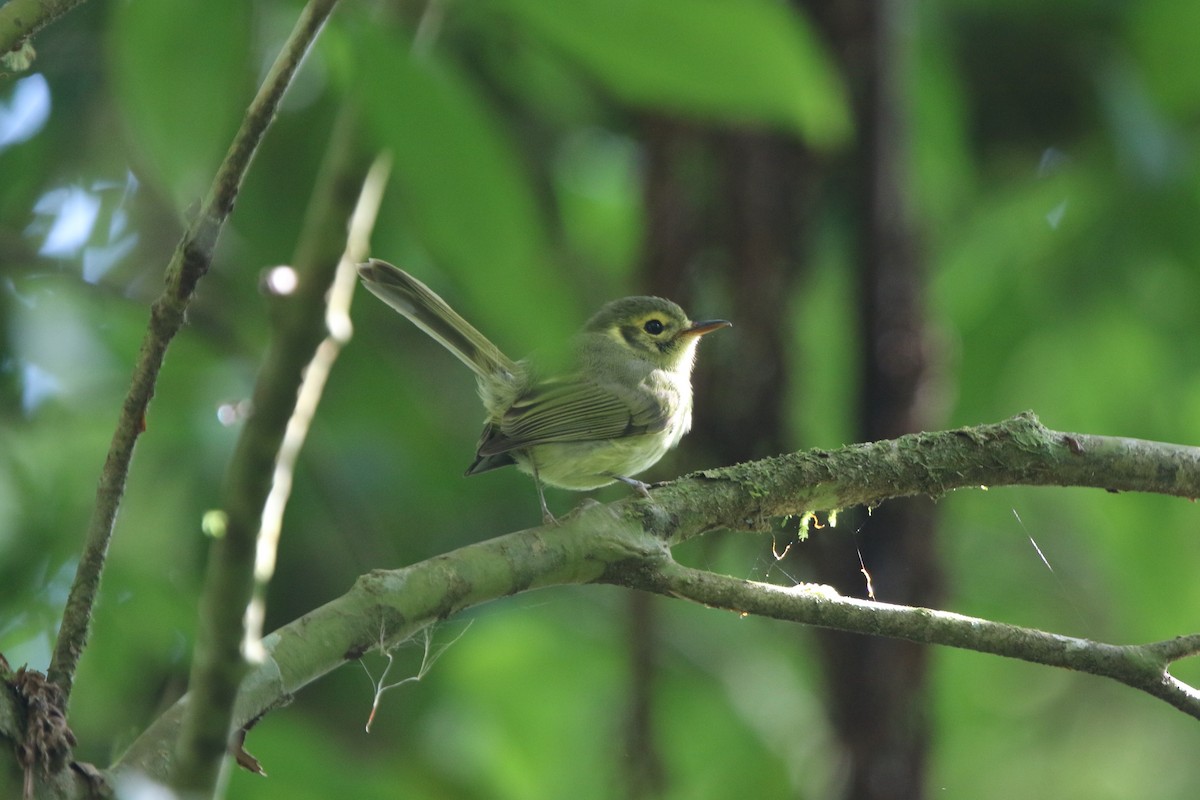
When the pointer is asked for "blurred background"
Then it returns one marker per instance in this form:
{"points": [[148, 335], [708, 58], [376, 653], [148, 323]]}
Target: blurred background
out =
{"points": [[918, 215]]}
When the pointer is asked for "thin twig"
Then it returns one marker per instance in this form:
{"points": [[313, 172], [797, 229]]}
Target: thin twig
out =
{"points": [[1142, 667], [429, 657], [338, 327]]}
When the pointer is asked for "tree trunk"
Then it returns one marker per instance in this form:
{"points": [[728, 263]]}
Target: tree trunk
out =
{"points": [[879, 693]]}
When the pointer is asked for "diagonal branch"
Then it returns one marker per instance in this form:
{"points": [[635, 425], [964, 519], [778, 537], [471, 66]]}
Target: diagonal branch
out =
{"points": [[386, 607]]}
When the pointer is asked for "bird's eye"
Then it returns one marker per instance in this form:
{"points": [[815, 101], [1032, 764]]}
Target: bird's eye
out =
{"points": [[653, 327]]}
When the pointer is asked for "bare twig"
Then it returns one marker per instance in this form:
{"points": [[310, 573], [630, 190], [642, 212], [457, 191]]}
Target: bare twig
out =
{"points": [[1143, 667], [338, 328], [429, 657]]}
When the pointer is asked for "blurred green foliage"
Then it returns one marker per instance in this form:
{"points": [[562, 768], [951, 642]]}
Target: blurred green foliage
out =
{"points": [[1055, 171]]}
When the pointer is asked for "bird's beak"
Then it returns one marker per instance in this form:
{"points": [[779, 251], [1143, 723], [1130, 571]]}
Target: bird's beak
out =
{"points": [[707, 326]]}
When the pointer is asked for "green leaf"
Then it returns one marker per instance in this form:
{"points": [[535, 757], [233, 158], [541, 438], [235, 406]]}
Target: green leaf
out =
{"points": [[741, 61], [182, 76], [1164, 41], [462, 186]]}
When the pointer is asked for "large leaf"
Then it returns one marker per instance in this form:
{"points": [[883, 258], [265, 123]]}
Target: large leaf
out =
{"points": [[462, 186], [743, 61], [182, 75], [1164, 40]]}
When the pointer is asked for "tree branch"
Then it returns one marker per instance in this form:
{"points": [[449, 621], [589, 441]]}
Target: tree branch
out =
{"points": [[20, 19], [626, 543], [1016, 452], [1143, 667], [400, 603], [188, 265]]}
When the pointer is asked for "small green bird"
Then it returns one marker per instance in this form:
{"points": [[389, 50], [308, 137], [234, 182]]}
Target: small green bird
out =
{"points": [[627, 401]]}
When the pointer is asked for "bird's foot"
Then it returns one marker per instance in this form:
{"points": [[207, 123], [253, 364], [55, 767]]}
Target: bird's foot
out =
{"points": [[548, 519], [641, 488]]}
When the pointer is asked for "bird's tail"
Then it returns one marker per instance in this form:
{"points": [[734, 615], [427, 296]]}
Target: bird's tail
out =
{"points": [[431, 314]]}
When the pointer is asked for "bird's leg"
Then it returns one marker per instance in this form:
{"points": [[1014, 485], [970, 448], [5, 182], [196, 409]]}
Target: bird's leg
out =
{"points": [[547, 517], [641, 488]]}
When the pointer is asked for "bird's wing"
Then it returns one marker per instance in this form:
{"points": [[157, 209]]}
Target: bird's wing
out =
{"points": [[571, 410]]}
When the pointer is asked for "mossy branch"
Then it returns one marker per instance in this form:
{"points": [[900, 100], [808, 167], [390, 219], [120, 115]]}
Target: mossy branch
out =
{"points": [[1016, 452], [627, 543], [20, 19]]}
